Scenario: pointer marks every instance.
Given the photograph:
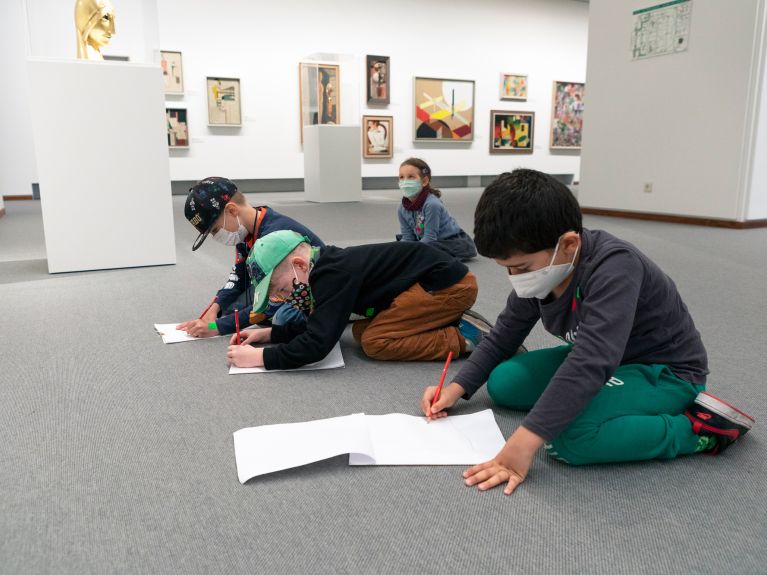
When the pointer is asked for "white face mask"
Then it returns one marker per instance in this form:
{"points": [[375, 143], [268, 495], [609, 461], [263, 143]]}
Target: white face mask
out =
{"points": [[224, 236], [539, 283]]}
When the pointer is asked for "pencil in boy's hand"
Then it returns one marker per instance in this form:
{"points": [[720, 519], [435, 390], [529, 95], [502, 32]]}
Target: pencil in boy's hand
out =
{"points": [[210, 305], [441, 379], [237, 324]]}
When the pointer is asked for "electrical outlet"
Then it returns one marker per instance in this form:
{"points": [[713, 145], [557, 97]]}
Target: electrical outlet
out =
{"points": [[648, 188]]}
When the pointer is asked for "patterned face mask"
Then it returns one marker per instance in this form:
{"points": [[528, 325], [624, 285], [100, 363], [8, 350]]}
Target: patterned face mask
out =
{"points": [[301, 296]]}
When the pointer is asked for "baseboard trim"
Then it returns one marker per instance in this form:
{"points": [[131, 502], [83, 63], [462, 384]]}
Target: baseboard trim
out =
{"points": [[16, 198], [687, 220]]}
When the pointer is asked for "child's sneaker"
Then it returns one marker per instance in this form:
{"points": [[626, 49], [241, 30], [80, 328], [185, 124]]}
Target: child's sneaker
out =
{"points": [[473, 327], [713, 418]]}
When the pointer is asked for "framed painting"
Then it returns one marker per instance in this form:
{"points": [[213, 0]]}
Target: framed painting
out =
{"points": [[513, 87], [319, 94], [567, 115], [377, 137], [444, 110], [224, 102], [378, 75], [172, 72], [511, 132], [178, 128]]}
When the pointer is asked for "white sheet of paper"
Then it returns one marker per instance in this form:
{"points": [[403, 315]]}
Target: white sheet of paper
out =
{"points": [[269, 448], [170, 334], [410, 440], [333, 360], [393, 439]]}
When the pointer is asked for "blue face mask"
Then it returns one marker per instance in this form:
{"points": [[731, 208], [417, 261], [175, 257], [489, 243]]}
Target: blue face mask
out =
{"points": [[410, 188]]}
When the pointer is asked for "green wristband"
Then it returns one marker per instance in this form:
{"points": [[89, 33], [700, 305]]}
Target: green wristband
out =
{"points": [[212, 325]]}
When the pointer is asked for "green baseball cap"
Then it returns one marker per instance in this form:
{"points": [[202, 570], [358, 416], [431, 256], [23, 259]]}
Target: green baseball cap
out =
{"points": [[267, 253]]}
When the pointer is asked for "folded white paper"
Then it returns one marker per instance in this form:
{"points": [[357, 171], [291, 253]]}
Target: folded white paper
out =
{"points": [[170, 334], [394, 439], [332, 360]]}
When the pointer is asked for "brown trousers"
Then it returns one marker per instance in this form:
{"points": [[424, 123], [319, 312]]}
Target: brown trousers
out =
{"points": [[417, 324]]}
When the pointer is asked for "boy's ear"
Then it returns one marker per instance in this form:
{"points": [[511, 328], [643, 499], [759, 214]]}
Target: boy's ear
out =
{"points": [[571, 240]]}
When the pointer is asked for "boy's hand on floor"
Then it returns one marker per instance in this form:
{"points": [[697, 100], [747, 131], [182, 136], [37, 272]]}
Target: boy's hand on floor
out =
{"points": [[245, 356], [197, 328], [447, 399], [510, 466], [248, 336]]}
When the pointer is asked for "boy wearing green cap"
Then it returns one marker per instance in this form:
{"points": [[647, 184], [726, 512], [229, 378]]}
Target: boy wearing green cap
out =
{"points": [[415, 298]]}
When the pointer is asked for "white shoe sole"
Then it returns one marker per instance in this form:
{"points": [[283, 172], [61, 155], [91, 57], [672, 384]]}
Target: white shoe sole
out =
{"points": [[724, 409]]}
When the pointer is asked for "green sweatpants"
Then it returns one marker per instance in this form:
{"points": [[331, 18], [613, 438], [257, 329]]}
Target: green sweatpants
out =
{"points": [[638, 414]]}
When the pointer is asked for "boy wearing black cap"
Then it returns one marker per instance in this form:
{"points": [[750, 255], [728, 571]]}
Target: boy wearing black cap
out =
{"points": [[415, 298], [215, 207]]}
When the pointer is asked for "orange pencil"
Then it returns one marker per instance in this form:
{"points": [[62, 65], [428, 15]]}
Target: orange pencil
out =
{"points": [[442, 379], [210, 305], [237, 324]]}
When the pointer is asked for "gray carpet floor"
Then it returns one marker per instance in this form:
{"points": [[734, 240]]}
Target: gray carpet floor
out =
{"points": [[116, 453]]}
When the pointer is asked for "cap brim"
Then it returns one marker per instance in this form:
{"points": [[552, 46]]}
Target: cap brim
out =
{"points": [[201, 238], [261, 294]]}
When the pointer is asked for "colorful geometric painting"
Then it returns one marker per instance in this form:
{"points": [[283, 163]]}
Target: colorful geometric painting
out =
{"points": [[377, 137], [224, 102], [567, 116], [511, 131], [319, 94], [178, 129], [513, 87], [444, 110], [172, 72]]}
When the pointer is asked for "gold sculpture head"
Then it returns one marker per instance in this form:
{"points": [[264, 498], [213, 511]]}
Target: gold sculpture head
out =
{"points": [[95, 23]]}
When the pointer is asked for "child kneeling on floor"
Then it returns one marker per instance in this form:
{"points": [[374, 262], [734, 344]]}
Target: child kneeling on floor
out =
{"points": [[415, 299], [628, 383]]}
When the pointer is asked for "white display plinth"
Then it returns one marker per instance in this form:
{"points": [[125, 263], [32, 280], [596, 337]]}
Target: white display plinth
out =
{"points": [[332, 165], [102, 162]]}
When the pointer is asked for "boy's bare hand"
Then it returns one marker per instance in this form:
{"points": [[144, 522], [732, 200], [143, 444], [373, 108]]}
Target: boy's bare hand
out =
{"points": [[447, 399], [245, 356], [197, 328], [248, 336]]}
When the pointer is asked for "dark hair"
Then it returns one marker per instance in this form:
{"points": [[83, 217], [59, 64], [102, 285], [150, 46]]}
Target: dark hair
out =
{"points": [[425, 170], [524, 211]]}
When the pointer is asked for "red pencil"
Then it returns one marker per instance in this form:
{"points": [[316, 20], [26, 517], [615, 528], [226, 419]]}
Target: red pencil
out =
{"points": [[237, 324], [210, 305], [442, 379]]}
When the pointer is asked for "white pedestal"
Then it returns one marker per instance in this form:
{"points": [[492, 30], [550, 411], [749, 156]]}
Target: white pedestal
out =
{"points": [[102, 162], [332, 164]]}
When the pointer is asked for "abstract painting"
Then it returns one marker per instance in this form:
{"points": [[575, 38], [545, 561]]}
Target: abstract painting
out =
{"points": [[511, 131], [224, 102], [178, 129], [567, 115], [513, 87], [172, 72], [444, 110], [377, 137], [378, 74], [319, 94]]}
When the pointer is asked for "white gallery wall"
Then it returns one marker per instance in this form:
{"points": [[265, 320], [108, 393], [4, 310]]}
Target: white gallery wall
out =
{"points": [[757, 205], [685, 123]]}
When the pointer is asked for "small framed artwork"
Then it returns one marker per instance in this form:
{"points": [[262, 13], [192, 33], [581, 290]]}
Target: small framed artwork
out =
{"points": [[511, 132], [378, 75], [377, 137], [172, 72], [224, 102], [513, 87], [567, 115], [178, 129], [319, 94], [444, 110]]}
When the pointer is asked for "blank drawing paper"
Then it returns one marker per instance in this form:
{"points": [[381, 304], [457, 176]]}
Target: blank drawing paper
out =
{"points": [[170, 334], [394, 439], [331, 361]]}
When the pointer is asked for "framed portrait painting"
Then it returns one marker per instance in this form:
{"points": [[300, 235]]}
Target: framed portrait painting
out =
{"points": [[567, 115], [178, 128], [444, 110], [172, 72], [378, 78], [511, 132], [319, 94], [224, 101], [377, 137], [513, 87]]}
